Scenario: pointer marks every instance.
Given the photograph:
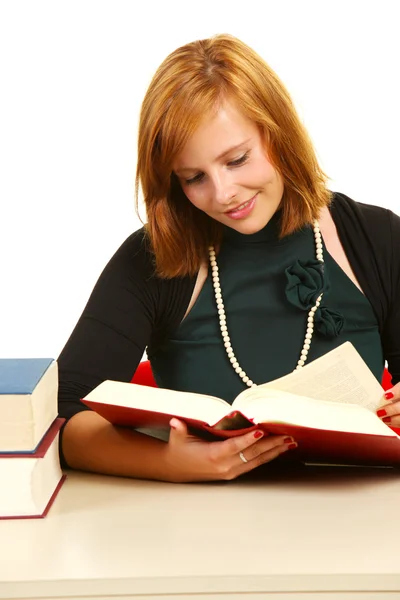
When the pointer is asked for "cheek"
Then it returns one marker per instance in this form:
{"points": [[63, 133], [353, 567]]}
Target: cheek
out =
{"points": [[196, 196], [263, 172]]}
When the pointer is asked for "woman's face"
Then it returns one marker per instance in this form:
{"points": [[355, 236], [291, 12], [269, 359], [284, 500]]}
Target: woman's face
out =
{"points": [[224, 171]]}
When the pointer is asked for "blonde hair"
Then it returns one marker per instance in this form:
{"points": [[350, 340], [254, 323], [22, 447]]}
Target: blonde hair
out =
{"points": [[189, 84]]}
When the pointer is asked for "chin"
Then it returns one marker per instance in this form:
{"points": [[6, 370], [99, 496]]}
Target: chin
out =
{"points": [[250, 226], [247, 228]]}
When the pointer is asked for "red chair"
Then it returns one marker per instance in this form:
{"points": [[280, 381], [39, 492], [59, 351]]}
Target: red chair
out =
{"points": [[144, 376], [386, 380]]}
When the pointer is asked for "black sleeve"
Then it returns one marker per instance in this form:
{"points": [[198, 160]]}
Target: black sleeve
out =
{"points": [[391, 331], [370, 236], [129, 309], [114, 329]]}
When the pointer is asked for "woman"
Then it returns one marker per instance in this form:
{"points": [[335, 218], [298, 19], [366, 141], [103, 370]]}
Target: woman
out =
{"points": [[245, 252]]}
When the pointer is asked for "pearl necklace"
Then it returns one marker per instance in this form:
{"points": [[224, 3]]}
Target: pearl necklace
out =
{"points": [[222, 316]]}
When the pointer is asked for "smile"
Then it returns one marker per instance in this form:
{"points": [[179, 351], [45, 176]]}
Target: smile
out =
{"points": [[243, 210]]}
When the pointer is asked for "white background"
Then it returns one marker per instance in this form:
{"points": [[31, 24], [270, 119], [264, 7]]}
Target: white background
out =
{"points": [[72, 77]]}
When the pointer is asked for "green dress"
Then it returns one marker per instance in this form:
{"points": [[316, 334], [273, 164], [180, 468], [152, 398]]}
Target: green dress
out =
{"points": [[268, 286]]}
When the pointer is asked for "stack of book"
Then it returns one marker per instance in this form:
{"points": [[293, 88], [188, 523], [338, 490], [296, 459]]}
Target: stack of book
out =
{"points": [[30, 472]]}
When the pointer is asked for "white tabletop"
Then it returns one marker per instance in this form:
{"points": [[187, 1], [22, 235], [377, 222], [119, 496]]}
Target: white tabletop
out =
{"points": [[281, 536]]}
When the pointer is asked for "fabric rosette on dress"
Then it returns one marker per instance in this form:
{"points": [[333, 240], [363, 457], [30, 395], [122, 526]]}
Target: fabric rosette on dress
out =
{"points": [[306, 281]]}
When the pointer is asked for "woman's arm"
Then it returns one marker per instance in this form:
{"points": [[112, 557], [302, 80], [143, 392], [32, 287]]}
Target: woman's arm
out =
{"points": [[90, 443], [108, 340]]}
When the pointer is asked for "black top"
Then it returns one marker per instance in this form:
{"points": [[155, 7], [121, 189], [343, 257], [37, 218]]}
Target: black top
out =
{"points": [[130, 308]]}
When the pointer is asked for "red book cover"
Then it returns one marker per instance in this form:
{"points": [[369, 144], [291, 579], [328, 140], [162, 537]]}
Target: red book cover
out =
{"points": [[47, 508], [39, 455], [44, 445], [314, 445]]}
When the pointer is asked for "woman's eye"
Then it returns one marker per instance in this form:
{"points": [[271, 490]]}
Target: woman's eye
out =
{"points": [[232, 163], [239, 161], [196, 179]]}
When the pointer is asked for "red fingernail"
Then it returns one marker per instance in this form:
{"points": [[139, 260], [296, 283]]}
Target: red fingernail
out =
{"points": [[381, 413], [258, 434], [386, 419], [287, 440], [389, 395], [292, 446]]}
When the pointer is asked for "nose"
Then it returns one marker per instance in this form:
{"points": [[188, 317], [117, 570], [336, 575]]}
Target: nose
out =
{"points": [[223, 188]]}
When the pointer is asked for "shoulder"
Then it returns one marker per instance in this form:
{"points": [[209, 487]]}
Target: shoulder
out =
{"points": [[135, 250], [346, 206], [376, 223], [132, 269], [132, 262]]}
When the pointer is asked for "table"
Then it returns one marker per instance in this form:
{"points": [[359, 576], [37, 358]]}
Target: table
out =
{"points": [[316, 532]]}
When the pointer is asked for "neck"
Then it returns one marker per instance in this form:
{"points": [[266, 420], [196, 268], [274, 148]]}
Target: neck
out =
{"points": [[269, 233]]}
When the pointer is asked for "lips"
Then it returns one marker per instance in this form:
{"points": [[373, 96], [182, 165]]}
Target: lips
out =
{"points": [[240, 206], [242, 211]]}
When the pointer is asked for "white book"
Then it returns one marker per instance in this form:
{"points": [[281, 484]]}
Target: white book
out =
{"points": [[28, 402], [30, 482]]}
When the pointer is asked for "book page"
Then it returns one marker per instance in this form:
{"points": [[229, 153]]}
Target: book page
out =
{"points": [[283, 407], [339, 376], [209, 409]]}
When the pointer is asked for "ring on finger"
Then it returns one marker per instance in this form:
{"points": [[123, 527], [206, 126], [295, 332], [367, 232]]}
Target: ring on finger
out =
{"points": [[243, 458]]}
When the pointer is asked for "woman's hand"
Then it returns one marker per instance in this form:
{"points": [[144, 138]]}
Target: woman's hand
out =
{"points": [[191, 459], [389, 412]]}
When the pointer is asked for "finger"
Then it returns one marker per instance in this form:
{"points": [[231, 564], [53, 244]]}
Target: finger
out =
{"points": [[392, 421], [389, 410], [264, 457], [391, 395], [251, 444], [178, 431], [233, 446], [269, 444]]}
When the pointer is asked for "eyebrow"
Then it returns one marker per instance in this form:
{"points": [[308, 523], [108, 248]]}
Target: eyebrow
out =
{"points": [[222, 155]]}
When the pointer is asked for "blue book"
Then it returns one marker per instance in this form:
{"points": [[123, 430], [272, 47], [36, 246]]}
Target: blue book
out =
{"points": [[28, 402], [21, 375]]}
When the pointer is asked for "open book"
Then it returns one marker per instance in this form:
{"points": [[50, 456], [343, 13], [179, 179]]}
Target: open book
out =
{"points": [[328, 406]]}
